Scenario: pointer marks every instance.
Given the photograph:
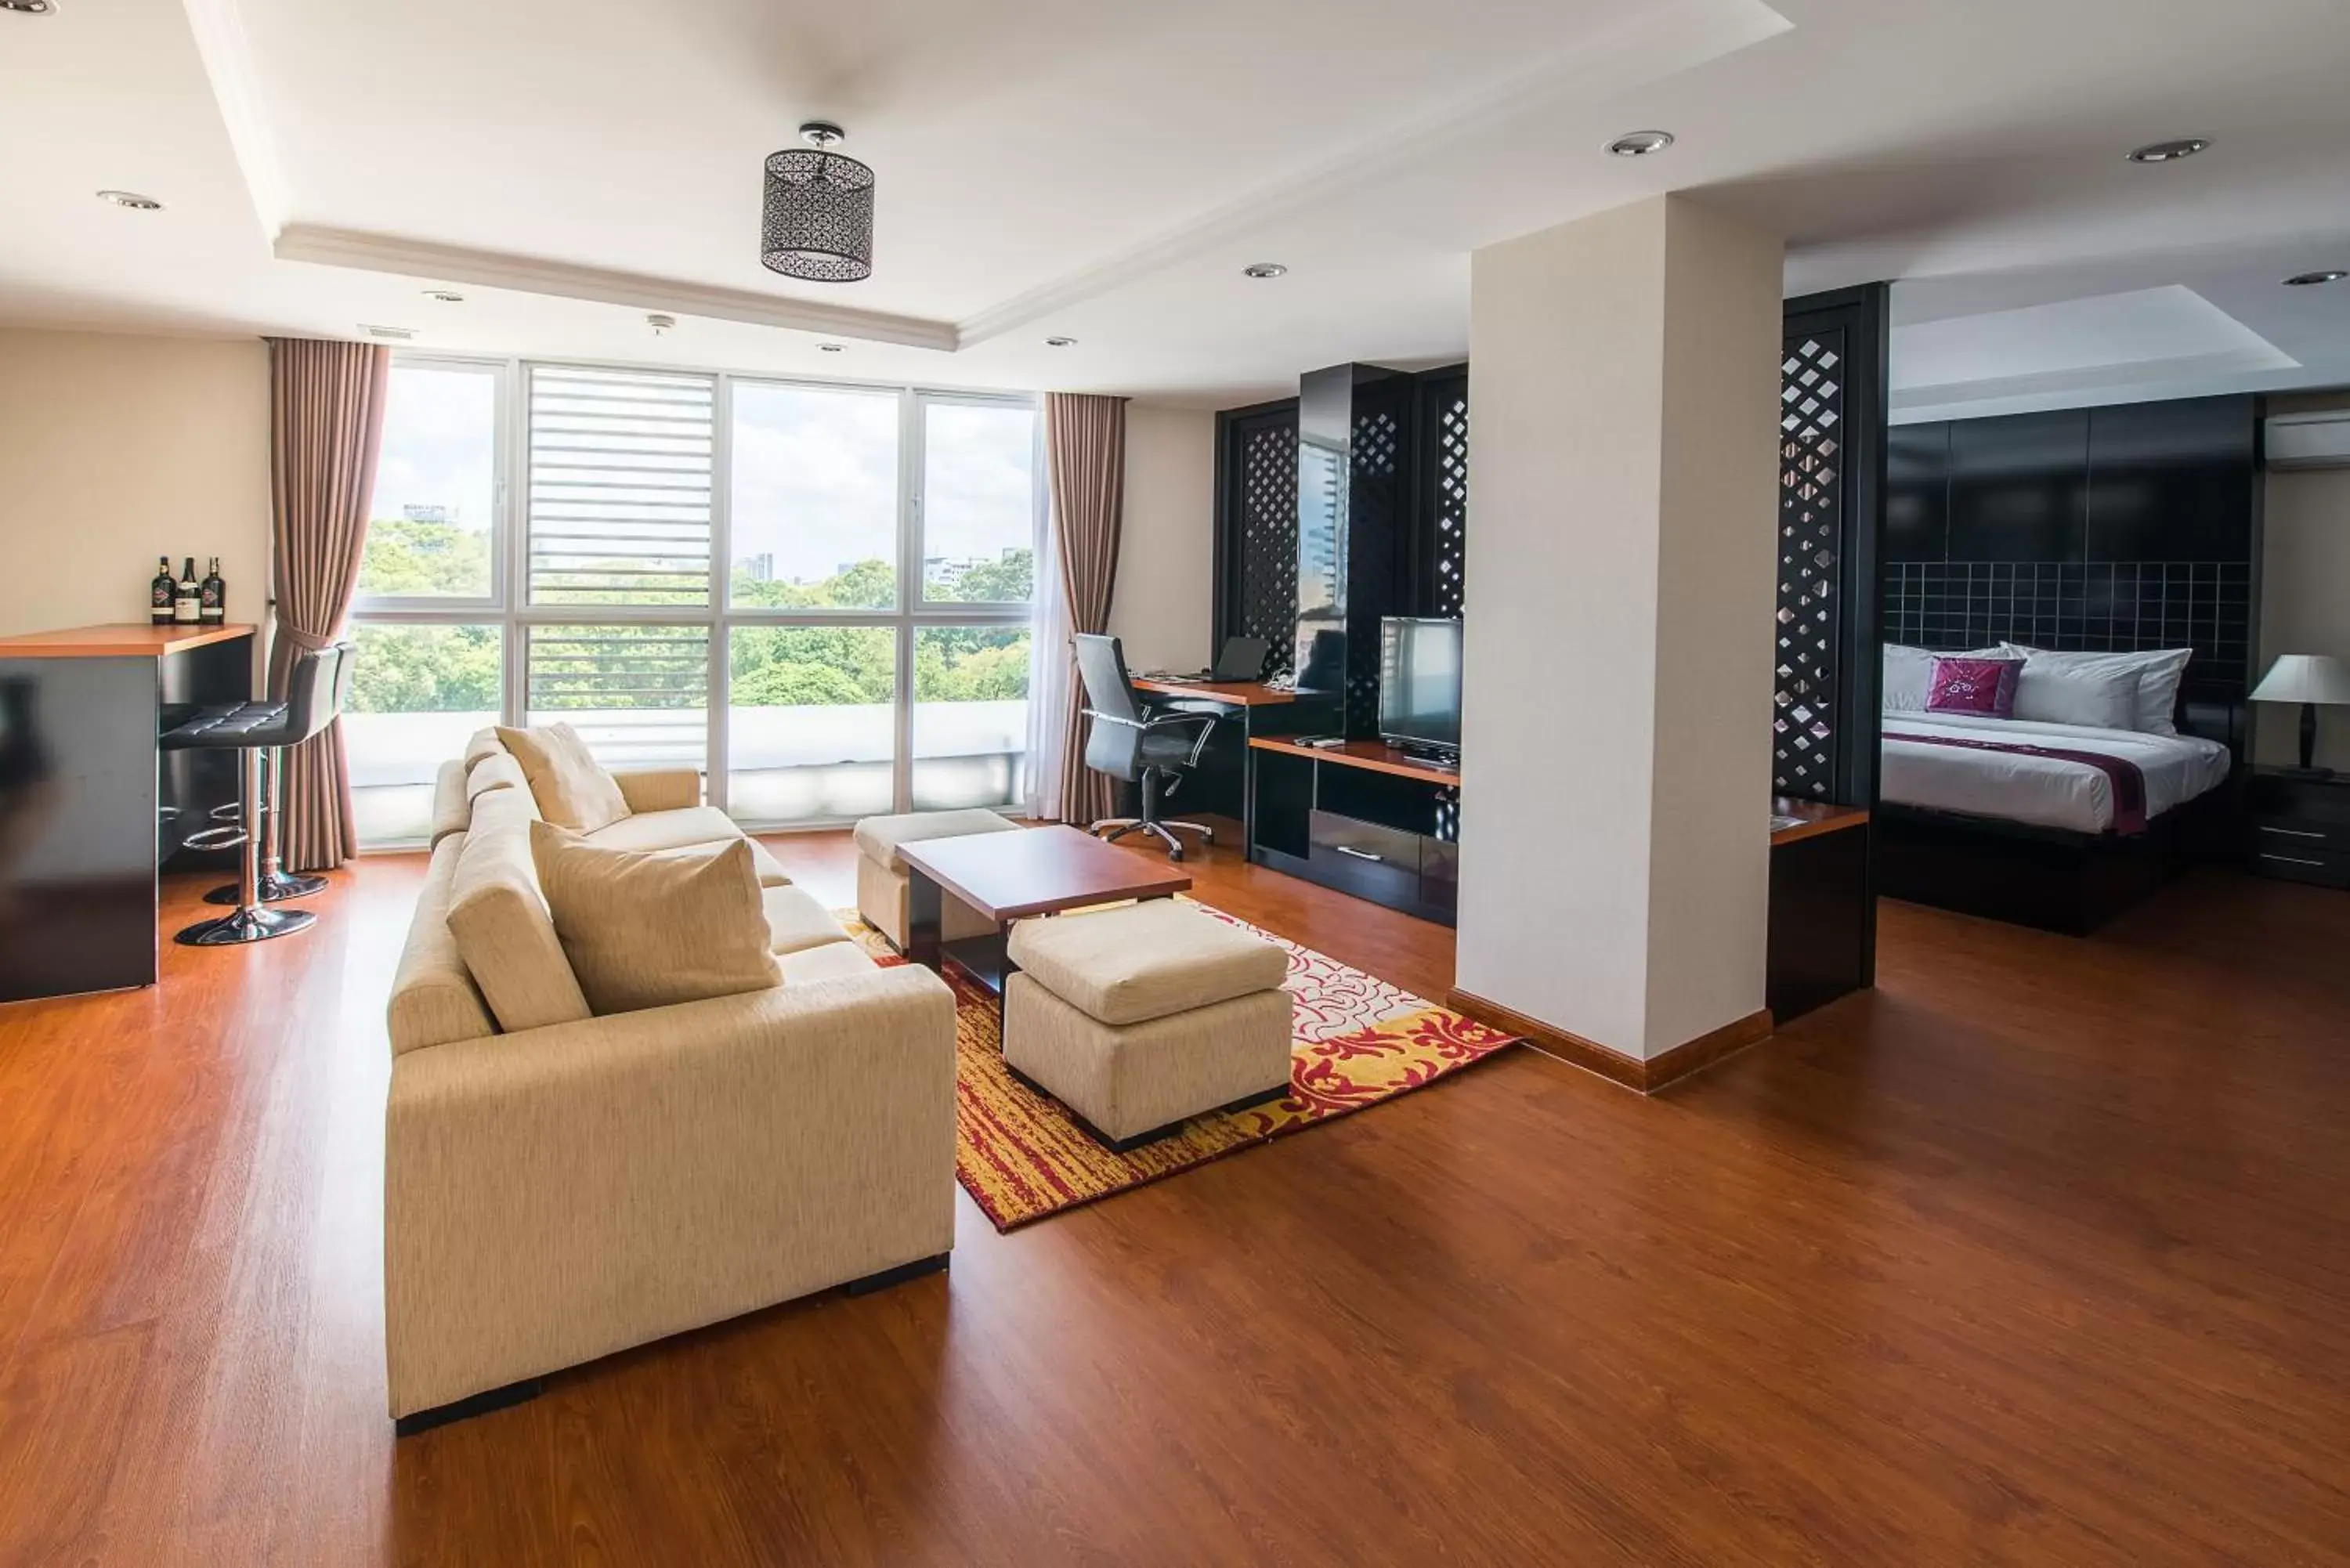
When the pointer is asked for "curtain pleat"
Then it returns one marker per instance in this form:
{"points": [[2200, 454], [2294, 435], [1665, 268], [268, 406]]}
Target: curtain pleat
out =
{"points": [[326, 432], [1085, 454]]}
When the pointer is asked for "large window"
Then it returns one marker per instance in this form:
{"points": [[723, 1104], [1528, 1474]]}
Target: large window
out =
{"points": [[819, 594]]}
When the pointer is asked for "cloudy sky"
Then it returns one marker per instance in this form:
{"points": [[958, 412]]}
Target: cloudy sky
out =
{"points": [[816, 469]]}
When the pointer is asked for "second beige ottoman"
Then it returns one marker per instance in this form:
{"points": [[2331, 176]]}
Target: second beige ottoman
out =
{"points": [[881, 872], [1137, 1019]]}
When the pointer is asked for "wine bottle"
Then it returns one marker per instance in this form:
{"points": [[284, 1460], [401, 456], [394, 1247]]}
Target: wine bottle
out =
{"points": [[214, 601], [161, 592], [187, 602]]}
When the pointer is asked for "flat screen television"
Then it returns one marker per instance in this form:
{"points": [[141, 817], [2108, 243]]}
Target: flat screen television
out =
{"points": [[1419, 684]]}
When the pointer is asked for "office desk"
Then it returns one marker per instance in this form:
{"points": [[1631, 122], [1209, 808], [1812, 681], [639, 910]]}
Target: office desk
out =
{"points": [[1253, 709], [89, 809]]}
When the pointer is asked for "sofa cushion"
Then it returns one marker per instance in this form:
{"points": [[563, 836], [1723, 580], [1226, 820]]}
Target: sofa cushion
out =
{"points": [[482, 742], [451, 808], [500, 921], [666, 830], [762, 861], [878, 837], [572, 788], [433, 999], [1145, 960], [499, 771], [650, 930], [825, 961], [795, 921]]}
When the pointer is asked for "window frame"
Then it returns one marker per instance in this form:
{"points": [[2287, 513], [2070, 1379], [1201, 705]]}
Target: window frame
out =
{"points": [[502, 509], [510, 608]]}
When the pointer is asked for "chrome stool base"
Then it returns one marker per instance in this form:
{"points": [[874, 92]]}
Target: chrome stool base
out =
{"points": [[246, 926], [275, 886]]}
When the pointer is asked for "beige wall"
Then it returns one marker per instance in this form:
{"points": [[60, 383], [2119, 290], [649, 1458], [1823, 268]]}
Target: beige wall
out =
{"points": [[115, 449], [1162, 609], [2304, 591], [1616, 738]]}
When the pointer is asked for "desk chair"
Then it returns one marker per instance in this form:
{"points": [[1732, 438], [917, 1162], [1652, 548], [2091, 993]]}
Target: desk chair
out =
{"points": [[1130, 743]]}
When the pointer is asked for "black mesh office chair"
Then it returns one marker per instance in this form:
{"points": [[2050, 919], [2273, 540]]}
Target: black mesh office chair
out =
{"points": [[315, 690], [1127, 741]]}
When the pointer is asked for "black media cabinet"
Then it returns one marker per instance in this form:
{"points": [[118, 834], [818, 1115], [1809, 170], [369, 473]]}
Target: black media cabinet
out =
{"points": [[1364, 819]]}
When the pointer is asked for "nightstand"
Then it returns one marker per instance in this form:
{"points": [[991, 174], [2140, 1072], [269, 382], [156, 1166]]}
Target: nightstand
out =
{"points": [[2300, 826]]}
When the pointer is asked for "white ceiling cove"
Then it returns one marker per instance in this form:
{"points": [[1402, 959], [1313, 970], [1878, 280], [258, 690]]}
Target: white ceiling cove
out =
{"points": [[1104, 171]]}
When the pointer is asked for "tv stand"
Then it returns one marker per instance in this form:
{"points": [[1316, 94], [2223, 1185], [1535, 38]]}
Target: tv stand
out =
{"points": [[1367, 818]]}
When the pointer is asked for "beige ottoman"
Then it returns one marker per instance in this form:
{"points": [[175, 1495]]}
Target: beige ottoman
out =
{"points": [[1137, 1018], [882, 875]]}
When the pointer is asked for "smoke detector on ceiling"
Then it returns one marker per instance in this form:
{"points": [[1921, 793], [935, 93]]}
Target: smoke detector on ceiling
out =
{"points": [[660, 324]]}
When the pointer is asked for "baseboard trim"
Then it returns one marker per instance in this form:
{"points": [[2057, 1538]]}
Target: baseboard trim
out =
{"points": [[1630, 1072]]}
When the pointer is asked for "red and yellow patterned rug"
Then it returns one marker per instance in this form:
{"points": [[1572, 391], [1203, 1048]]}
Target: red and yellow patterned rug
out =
{"points": [[1357, 1041]]}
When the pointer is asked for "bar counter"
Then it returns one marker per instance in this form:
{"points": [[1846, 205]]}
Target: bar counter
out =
{"points": [[89, 810]]}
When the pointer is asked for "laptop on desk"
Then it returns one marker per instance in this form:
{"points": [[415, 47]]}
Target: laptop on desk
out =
{"points": [[1241, 660]]}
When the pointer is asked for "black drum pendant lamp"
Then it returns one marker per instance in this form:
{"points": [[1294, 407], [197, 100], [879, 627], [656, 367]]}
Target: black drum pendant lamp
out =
{"points": [[818, 223]]}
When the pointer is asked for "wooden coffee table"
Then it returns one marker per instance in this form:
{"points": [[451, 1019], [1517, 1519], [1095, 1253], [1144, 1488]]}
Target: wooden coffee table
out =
{"points": [[1007, 877]]}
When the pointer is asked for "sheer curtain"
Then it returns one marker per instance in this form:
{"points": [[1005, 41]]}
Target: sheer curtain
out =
{"points": [[1049, 698]]}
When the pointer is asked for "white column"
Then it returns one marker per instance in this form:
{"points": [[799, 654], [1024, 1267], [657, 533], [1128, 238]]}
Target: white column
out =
{"points": [[1615, 854]]}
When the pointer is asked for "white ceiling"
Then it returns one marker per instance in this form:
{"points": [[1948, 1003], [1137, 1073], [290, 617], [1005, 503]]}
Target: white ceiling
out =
{"points": [[1104, 168]]}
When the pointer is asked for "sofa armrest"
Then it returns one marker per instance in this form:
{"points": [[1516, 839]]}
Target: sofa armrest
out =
{"points": [[659, 789], [557, 1194]]}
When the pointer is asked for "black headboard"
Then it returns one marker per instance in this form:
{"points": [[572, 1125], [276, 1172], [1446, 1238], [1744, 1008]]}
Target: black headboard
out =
{"points": [[2121, 529]]}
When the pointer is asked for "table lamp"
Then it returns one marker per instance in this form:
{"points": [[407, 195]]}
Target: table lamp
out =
{"points": [[2307, 679]]}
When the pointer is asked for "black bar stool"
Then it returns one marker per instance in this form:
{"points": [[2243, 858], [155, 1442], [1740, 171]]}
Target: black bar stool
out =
{"points": [[313, 692], [276, 883]]}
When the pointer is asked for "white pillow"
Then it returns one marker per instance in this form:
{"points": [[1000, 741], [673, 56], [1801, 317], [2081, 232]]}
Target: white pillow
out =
{"points": [[2053, 693], [2158, 673]]}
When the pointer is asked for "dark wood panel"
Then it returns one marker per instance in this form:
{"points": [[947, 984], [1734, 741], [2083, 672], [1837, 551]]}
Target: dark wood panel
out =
{"points": [[1917, 492], [2018, 487], [2172, 481]]}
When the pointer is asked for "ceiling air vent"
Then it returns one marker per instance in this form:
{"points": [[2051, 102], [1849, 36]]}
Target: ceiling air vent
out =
{"points": [[391, 334]]}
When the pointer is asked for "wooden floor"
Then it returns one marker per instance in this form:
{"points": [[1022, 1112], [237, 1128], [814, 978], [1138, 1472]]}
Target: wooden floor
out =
{"points": [[2039, 1254]]}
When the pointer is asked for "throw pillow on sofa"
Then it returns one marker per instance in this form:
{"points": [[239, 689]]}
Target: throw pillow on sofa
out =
{"points": [[647, 930], [572, 788]]}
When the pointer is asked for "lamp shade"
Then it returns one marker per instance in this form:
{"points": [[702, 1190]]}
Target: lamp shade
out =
{"points": [[818, 222], [2305, 677]]}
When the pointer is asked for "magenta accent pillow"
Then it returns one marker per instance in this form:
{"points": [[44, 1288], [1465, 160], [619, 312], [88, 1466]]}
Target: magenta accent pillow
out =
{"points": [[1984, 688]]}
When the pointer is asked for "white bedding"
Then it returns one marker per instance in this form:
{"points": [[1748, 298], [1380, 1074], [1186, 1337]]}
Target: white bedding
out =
{"points": [[2045, 792]]}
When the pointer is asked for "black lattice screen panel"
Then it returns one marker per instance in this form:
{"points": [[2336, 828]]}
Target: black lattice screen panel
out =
{"points": [[1266, 605], [1376, 502], [2097, 607], [1449, 496], [1811, 541]]}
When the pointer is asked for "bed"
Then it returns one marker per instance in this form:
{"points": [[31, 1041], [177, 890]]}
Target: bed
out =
{"points": [[2060, 826]]}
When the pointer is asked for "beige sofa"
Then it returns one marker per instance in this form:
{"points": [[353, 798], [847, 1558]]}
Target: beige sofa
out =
{"points": [[556, 1192]]}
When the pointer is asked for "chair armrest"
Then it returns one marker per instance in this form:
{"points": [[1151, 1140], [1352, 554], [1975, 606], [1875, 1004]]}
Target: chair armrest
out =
{"points": [[557, 1194], [659, 789]]}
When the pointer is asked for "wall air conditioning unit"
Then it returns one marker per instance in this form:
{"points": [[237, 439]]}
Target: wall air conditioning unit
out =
{"points": [[2309, 441]]}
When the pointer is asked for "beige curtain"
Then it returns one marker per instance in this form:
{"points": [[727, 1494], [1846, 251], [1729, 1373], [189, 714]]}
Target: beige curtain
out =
{"points": [[1085, 452], [326, 409]]}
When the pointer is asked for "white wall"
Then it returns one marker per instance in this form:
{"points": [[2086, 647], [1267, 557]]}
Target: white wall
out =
{"points": [[2304, 592], [1162, 609], [1616, 738], [115, 449]]}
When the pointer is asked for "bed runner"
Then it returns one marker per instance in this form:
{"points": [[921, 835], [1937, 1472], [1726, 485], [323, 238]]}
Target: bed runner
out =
{"points": [[2128, 782]]}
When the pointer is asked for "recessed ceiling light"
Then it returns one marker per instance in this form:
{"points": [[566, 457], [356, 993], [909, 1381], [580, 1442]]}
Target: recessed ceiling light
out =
{"points": [[830, 348], [394, 334], [1060, 342], [132, 200], [445, 296], [1640, 143], [2306, 279], [29, 7], [1263, 269], [2168, 152], [659, 324]]}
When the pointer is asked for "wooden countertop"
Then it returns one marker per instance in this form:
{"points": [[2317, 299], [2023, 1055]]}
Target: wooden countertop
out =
{"points": [[1377, 756], [126, 639], [1818, 818], [1238, 693]]}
